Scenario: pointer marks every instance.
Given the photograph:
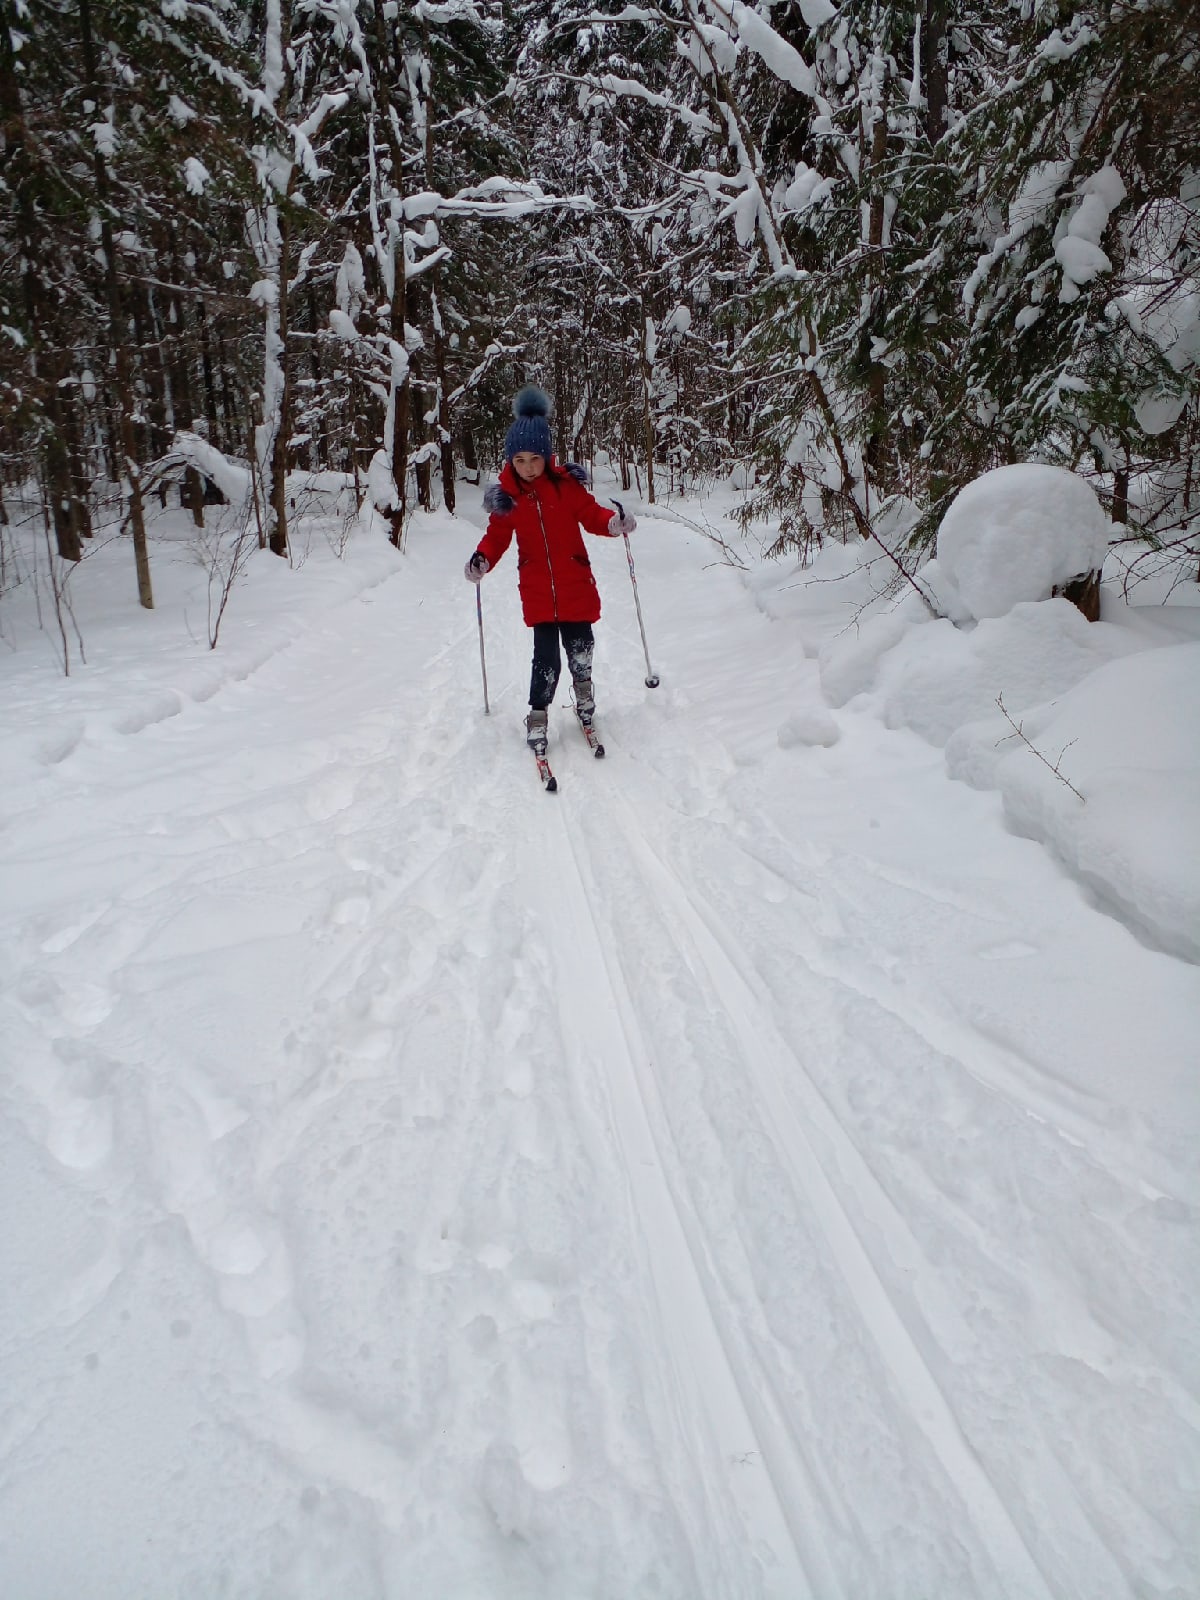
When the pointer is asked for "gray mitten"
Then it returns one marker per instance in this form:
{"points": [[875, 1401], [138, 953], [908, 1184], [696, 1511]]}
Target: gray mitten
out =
{"points": [[476, 567]]}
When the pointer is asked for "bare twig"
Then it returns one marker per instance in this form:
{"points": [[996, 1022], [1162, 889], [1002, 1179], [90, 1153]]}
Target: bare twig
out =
{"points": [[1053, 766], [1187, 546], [225, 559]]}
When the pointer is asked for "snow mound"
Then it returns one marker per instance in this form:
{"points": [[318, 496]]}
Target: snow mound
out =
{"points": [[1018, 533], [850, 660], [1112, 703], [938, 678], [812, 725], [1128, 739]]}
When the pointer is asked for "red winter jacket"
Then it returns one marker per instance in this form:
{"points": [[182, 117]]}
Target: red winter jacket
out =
{"points": [[553, 571]]}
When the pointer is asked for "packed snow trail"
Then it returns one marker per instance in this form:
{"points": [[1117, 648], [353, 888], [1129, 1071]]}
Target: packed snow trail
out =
{"points": [[749, 1172]]}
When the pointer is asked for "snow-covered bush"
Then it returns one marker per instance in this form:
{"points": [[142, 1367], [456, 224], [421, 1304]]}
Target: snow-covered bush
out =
{"points": [[1017, 533]]}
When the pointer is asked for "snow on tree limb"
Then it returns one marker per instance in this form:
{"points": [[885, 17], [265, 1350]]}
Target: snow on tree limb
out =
{"points": [[521, 199], [609, 84], [593, 19], [1036, 196], [417, 269], [188, 449], [303, 133], [442, 11], [779, 57], [273, 67]]}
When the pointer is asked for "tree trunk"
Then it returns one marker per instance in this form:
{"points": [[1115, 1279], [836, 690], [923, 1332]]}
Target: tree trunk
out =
{"points": [[879, 135], [215, 435], [877, 433], [278, 537], [182, 408], [1084, 594], [400, 389], [937, 74], [440, 406], [154, 377], [122, 366], [469, 457], [1120, 508], [58, 484], [81, 511], [562, 400], [19, 172], [445, 422], [418, 426], [401, 402], [318, 445], [648, 438]]}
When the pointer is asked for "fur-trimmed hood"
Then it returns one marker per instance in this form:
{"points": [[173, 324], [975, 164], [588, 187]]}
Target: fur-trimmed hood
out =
{"points": [[498, 499], [497, 502]]}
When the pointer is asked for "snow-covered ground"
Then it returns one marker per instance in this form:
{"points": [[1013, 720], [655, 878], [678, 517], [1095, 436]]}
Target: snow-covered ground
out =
{"points": [[766, 1168]]}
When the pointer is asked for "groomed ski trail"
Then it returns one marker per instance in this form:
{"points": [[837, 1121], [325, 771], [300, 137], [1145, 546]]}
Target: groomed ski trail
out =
{"points": [[755, 1497], [818, 1159]]}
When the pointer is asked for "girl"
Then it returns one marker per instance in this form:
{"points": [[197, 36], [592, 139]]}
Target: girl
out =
{"points": [[546, 506]]}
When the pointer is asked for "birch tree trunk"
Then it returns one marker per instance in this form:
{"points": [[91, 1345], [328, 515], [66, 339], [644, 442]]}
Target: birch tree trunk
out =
{"points": [[271, 248], [390, 251]]}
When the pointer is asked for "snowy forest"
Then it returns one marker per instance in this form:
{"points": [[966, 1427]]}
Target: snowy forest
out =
{"points": [[857, 254]]}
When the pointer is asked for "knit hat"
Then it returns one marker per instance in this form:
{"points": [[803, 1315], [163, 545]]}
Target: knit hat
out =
{"points": [[531, 431]]}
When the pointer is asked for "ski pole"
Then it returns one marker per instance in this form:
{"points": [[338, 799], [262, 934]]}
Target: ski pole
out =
{"points": [[482, 658], [652, 679]]}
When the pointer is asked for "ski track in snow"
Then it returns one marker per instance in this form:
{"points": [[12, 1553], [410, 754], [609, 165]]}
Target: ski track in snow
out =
{"points": [[688, 1185]]}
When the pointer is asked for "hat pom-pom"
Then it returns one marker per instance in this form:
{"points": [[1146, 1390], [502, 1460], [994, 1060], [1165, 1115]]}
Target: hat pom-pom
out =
{"points": [[531, 402]]}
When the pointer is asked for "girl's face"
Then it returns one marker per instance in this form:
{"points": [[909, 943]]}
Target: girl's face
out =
{"points": [[527, 466]]}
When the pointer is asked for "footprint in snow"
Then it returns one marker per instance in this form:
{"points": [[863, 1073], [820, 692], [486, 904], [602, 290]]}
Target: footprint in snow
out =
{"points": [[351, 912], [533, 1300], [81, 1133], [1010, 950], [329, 795]]}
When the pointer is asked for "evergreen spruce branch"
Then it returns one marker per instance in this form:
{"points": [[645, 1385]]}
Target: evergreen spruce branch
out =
{"points": [[632, 16], [729, 110], [868, 532], [1019, 732], [655, 159], [609, 87], [849, 499]]}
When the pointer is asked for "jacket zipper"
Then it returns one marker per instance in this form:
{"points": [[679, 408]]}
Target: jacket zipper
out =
{"points": [[546, 542]]}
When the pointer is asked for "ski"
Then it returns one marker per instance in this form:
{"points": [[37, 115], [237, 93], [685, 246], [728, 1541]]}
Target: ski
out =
{"points": [[549, 781]]}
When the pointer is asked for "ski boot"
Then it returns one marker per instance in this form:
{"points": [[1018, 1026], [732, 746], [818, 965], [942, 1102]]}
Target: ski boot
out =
{"points": [[585, 710], [536, 732], [585, 701]]}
